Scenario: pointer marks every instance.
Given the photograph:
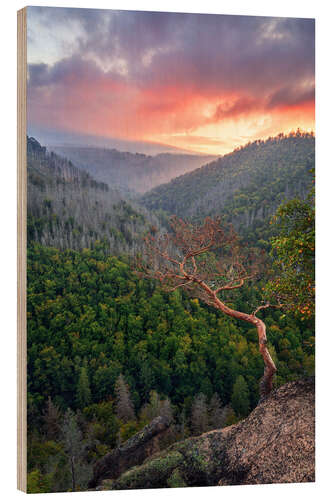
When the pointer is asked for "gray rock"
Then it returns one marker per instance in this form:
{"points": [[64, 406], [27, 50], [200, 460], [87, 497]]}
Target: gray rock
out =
{"points": [[274, 444]]}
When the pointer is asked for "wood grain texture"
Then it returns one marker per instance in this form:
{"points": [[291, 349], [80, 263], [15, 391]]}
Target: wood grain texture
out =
{"points": [[21, 249]]}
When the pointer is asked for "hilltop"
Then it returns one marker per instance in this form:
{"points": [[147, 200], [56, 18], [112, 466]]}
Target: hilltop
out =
{"points": [[245, 186]]}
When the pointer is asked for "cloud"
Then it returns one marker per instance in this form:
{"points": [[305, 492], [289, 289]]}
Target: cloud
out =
{"points": [[143, 73], [291, 96], [236, 108]]}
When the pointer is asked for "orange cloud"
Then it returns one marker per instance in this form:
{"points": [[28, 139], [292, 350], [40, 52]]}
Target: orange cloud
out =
{"points": [[75, 94]]}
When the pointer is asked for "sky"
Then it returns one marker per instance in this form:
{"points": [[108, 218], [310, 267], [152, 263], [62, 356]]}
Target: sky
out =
{"points": [[204, 83]]}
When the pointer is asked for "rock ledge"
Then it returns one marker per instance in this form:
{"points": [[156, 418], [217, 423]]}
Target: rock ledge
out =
{"points": [[274, 444]]}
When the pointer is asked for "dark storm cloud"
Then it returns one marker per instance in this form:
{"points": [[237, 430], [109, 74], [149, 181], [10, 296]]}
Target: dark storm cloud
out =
{"points": [[65, 71], [206, 52], [291, 96]]}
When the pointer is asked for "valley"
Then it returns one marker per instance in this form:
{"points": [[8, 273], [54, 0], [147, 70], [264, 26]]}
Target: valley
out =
{"points": [[108, 350], [137, 173]]}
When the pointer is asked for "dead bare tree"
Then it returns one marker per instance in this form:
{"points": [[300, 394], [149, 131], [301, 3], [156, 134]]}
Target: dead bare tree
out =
{"points": [[208, 260]]}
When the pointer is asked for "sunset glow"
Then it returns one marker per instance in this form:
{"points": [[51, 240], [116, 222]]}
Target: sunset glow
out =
{"points": [[203, 83]]}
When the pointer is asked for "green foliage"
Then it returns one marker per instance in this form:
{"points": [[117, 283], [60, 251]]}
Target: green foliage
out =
{"points": [[102, 422], [293, 253], [38, 482], [176, 480], [240, 398], [83, 396], [245, 186], [128, 430], [87, 306], [155, 407], [40, 453]]}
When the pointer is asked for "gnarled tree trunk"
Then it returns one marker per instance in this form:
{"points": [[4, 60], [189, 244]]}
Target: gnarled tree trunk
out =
{"points": [[270, 368], [208, 277], [133, 452]]}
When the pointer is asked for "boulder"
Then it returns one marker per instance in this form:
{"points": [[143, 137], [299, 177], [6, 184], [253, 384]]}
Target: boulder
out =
{"points": [[274, 444]]}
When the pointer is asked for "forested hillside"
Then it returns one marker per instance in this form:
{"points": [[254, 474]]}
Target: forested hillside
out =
{"points": [[68, 208], [88, 305], [108, 351], [137, 172], [91, 320], [245, 186]]}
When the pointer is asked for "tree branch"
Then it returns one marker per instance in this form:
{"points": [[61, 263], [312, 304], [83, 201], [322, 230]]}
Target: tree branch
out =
{"points": [[178, 286], [265, 306], [230, 287]]}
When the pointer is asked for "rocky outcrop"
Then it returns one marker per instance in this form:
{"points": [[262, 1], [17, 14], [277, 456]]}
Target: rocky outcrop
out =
{"points": [[133, 452], [274, 444]]}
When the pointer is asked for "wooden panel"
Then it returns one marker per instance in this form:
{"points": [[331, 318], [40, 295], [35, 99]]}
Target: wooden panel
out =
{"points": [[21, 250]]}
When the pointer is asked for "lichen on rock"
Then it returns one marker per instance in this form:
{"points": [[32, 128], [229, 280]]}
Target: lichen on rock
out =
{"points": [[274, 444]]}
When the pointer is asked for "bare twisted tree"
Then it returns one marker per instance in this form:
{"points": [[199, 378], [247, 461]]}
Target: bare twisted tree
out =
{"points": [[208, 260]]}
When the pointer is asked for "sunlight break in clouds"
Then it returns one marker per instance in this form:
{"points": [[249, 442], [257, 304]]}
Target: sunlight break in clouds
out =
{"points": [[205, 83]]}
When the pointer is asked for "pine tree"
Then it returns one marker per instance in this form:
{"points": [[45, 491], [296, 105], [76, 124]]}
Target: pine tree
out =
{"points": [[167, 410], [75, 449], [124, 404], [199, 415], [51, 417], [182, 426], [72, 438], [152, 409], [83, 396], [156, 407], [240, 398], [217, 414]]}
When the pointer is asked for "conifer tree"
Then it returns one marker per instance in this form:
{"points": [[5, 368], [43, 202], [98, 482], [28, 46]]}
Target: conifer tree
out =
{"points": [[75, 449], [182, 425], [199, 415], [167, 410], [124, 404], [51, 417], [217, 414], [151, 409], [240, 398], [83, 396], [72, 438], [156, 407]]}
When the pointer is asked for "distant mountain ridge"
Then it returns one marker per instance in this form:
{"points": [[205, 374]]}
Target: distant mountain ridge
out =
{"points": [[137, 172], [245, 186], [57, 169], [68, 208], [51, 137]]}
